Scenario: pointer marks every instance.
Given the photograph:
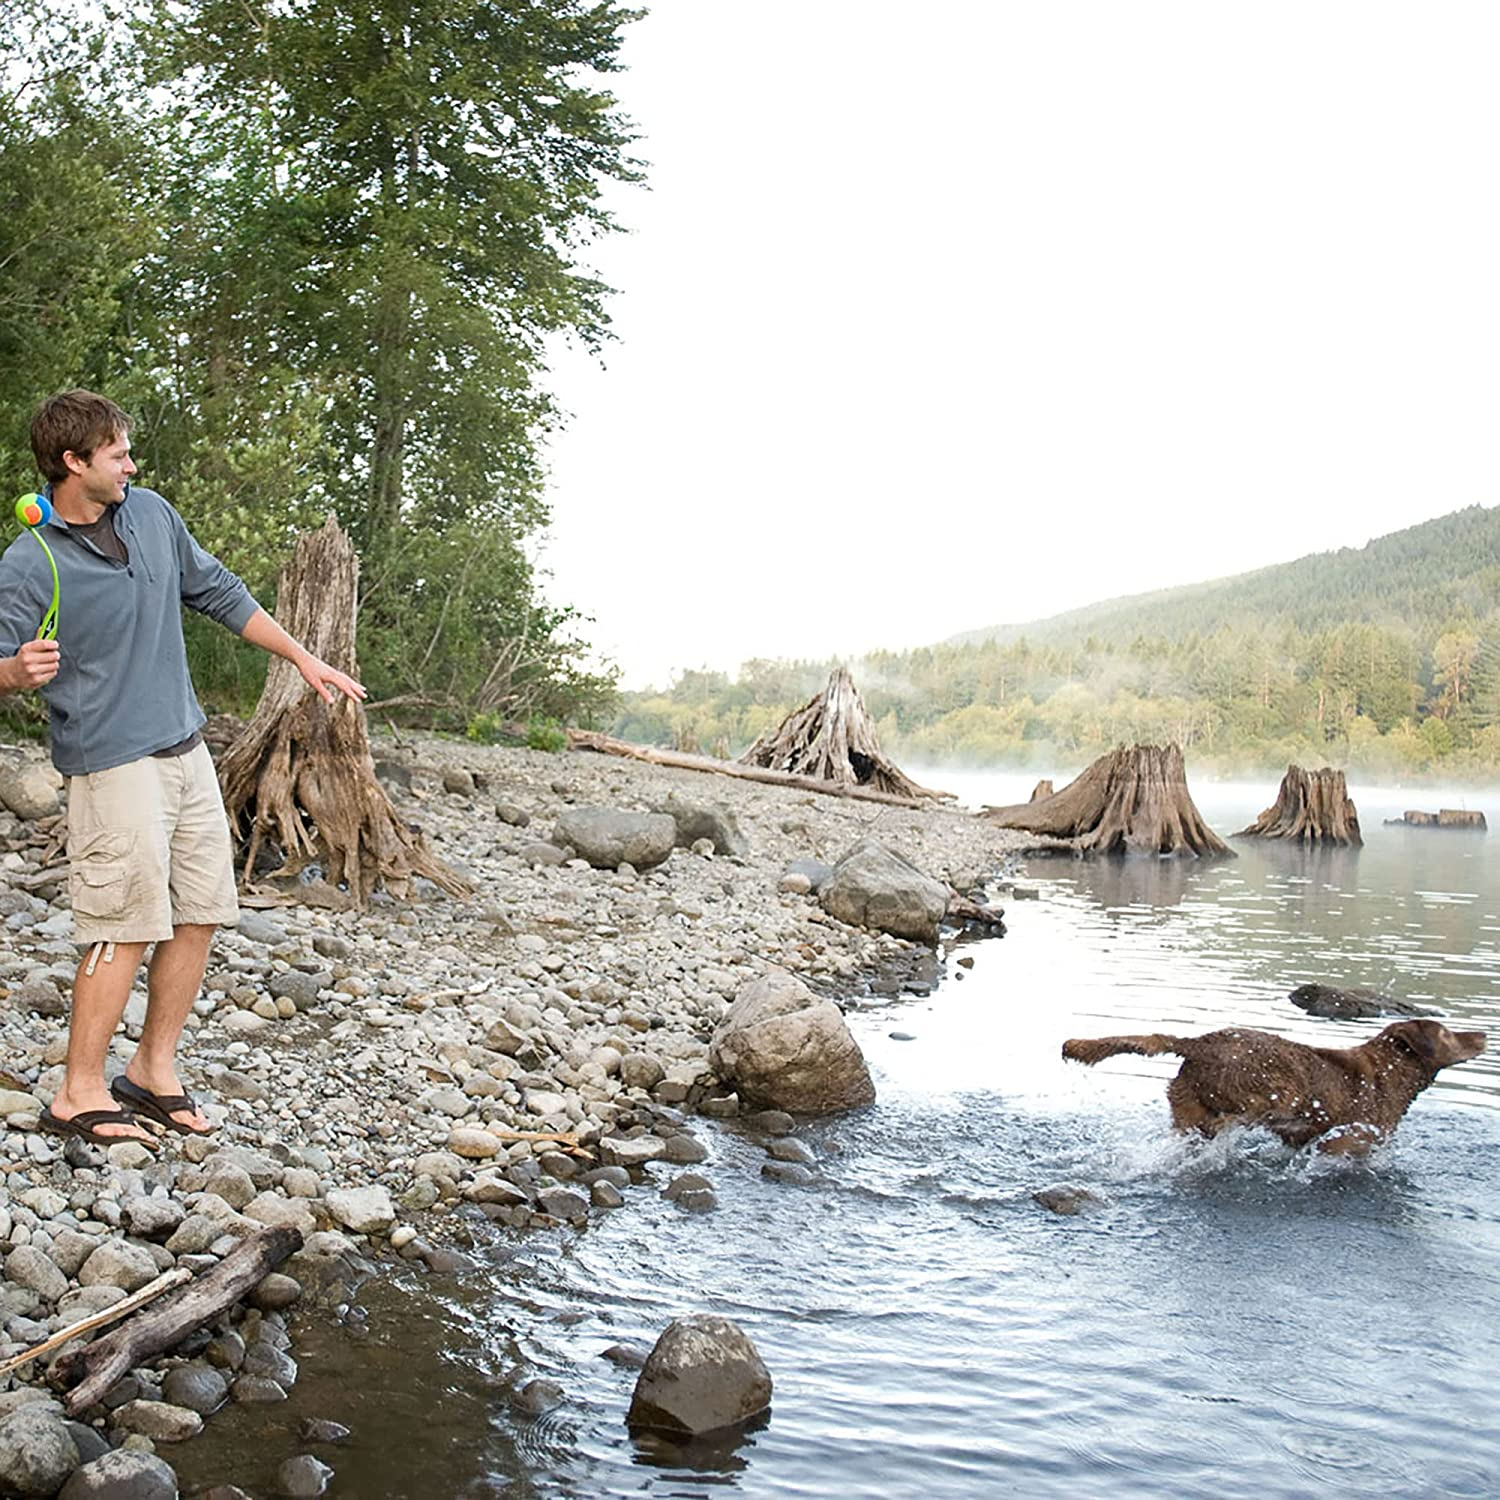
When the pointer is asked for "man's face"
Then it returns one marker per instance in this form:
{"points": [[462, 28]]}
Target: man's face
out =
{"points": [[104, 476]]}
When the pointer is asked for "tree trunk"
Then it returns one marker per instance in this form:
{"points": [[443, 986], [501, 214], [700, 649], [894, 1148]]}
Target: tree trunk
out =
{"points": [[301, 775], [1131, 801], [1312, 807], [832, 739]]}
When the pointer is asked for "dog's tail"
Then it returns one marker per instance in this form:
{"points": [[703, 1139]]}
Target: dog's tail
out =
{"points": [[1095, 1049]]}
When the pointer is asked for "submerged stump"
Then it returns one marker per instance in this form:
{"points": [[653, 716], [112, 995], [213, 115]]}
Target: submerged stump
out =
{"points": [[1131, 801], [833, 739], [1312, 807], [301, 777]]}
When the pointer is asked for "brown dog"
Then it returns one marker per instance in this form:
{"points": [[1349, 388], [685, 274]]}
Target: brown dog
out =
{"points": [[1241, 1077]]}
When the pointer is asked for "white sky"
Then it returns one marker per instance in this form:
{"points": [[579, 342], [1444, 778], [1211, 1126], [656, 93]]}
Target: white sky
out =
{"points": [[936, 317]]}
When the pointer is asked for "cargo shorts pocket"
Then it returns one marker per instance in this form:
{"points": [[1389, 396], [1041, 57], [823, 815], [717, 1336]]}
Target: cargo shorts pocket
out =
{"points": [[99, 878]]}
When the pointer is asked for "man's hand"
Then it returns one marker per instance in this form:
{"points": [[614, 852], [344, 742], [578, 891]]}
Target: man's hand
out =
{"points": [[33, 666], [321, 678]]}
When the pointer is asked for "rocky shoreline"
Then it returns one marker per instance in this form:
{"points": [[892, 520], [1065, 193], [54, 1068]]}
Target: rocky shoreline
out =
{"points": [[383, 1080]]}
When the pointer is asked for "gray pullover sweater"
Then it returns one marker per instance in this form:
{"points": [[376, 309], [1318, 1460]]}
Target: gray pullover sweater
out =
{"points": [[122, 688]]}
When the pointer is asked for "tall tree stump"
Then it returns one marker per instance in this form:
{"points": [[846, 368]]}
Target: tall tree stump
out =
{"points": [[301, 775], [1131, 801], [1313, 807], [833, 739]]}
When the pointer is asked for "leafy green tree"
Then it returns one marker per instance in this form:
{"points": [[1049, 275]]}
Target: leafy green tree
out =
{"points": [[422, 177], [69, 234]]}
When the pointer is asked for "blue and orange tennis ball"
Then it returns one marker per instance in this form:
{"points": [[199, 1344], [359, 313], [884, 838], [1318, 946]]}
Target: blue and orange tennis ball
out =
{"points": [[33, 510]]}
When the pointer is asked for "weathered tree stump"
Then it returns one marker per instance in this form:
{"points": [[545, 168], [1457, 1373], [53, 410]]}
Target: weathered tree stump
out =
{"points": [[1313, 807], [301, 775], [1131, 801], [833, 739]]}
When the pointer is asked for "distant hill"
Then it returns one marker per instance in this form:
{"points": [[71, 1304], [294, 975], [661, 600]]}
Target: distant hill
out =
{"points": [[1383, 660], [1412, 579]]}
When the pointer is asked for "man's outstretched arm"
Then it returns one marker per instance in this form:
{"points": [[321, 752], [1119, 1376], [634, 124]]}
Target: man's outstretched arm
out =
{"points": [[261, 630]]}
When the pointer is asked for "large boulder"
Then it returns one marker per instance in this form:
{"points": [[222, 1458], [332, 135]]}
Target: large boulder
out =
{"points": [[706, 820], [607, 838], [784, 1048], [872, 886], [27, 789], [703, 1375]]}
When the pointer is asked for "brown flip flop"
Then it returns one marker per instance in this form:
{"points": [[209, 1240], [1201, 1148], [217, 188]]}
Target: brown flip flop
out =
{"points": [[158, 1107], [84, 1125]]}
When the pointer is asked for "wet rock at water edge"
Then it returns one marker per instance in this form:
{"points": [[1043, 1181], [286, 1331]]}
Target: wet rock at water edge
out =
{"points": [[537, 1397], [626, 1356], [303, 1477], [703, 1375], [780, 1045], [872, 886], [691, 1192], [789, 1173], [200, 1388], [787, 1149], [158, 1420], [321, 1430], [1334, 1004], [1067, 1199], [122, 1475]]}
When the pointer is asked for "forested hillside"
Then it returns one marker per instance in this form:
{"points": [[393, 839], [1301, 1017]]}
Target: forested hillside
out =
{"points": [[1377, 659], [1417, 578]]}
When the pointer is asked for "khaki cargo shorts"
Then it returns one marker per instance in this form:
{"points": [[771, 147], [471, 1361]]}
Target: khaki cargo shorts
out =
{"points": [[149, 850]]}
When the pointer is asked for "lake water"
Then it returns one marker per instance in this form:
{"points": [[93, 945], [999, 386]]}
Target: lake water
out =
{"points": [[1232, 1320]]}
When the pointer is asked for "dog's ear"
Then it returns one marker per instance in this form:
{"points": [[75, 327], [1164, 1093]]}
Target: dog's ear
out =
{"points": [[1433, 1044]]}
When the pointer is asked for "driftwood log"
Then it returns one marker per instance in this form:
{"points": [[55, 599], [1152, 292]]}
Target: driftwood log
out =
{"points": [[1131, 801], [589, 739], [1312, 807], [92, 1370], [301, 775], [832, 739], [111, 1314]]}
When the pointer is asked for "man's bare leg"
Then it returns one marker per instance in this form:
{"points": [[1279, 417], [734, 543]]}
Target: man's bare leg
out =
{"points": [[173, 982], [98, 1003]]}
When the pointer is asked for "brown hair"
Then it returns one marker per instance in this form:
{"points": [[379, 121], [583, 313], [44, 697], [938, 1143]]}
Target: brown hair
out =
{"points": [[75, 422]]}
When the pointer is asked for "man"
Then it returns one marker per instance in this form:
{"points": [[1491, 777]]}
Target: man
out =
{"points": [[148, 841]]}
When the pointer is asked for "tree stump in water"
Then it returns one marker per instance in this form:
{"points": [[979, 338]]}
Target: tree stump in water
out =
{"points": [[301, 775], [833, 739], [1131, 801], [1313, 807]]}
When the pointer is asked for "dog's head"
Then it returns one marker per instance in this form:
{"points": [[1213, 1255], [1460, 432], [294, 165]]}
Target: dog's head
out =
{"points": [[1433, 1045]]}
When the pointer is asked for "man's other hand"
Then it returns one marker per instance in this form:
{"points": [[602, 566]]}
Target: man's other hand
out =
{"points": [[33, 666]]}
